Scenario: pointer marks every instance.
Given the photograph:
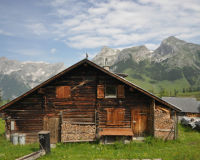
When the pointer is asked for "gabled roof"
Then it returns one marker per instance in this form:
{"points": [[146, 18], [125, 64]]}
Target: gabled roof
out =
{"points": [[186, 104], [97, 67]]}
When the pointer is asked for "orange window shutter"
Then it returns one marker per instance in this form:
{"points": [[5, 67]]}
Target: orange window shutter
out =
{"points": [[109, 116], [100, 91], [67, 92], [120, 91], [120, 116], [63, 92], [58, 92]]}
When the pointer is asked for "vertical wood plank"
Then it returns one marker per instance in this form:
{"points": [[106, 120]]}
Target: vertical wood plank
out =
{"points": [[120, 91], [109, 116], [100, 91], [67, 92]]}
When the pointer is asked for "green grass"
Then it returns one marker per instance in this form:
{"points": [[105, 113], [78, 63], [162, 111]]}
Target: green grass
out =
{"points": [[168, 86], [187, 147], [190, 94], [155, 87], [11, 152]]}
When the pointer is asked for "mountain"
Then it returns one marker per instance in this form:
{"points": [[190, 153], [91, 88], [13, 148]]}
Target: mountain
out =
{"points": [[18, 77], [109, 53], [175, 64]]}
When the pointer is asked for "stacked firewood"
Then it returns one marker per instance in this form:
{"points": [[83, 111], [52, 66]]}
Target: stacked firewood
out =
{"points": [[77, 132], [162, 119]]}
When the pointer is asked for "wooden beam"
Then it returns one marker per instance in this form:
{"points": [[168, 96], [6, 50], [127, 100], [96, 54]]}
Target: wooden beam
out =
{"points": [[116, 132], [165, 130]]}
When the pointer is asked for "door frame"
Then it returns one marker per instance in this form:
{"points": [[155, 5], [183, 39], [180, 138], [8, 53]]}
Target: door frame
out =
{"points": [[139, 111], [46, 119]]}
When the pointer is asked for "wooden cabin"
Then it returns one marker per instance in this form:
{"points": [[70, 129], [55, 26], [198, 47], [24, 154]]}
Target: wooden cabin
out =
{"points": [[86, 102]]}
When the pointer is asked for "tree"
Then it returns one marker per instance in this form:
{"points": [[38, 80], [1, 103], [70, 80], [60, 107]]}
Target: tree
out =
{"points": [[175, 92], [162, 92]]}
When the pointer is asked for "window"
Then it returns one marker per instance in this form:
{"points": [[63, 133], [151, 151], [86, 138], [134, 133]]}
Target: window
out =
{"points": [[63, 92], [115, 116], [111, 91]]}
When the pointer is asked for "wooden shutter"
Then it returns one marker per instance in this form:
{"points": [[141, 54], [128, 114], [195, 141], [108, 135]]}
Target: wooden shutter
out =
{"points": [[120, 116], [67, 91], [59, 92], [109, 116], [120, 91], [100, 91], [115, 116], [63, 92]]}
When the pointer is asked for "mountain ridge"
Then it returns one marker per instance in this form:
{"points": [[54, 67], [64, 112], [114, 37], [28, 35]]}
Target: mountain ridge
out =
{"points": [[175, 63], [18, 77]]}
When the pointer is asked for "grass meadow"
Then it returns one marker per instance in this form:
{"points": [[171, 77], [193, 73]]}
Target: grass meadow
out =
{"points": [[187, 147]]}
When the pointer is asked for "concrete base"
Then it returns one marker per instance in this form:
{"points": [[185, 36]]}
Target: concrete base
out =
{"points": [[138, 139]]}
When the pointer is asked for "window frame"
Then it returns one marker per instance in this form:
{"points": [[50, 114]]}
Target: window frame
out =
{"points": [[111, 95]]}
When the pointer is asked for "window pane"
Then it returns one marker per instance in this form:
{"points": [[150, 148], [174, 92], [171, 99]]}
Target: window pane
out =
{"points": [[111, 90]]}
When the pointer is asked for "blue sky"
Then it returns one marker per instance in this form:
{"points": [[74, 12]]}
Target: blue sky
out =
{"points": [[63, 30]]}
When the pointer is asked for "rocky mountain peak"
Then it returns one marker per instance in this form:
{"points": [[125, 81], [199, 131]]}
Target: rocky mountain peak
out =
{"points": [[137, 53], [168, 48], [106, 53], [26, 75]]}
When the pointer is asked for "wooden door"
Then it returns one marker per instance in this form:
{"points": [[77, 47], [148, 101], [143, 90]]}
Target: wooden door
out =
{"points": [[139, 119], [52, 124]]}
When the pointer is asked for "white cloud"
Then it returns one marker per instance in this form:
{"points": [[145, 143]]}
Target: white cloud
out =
{"points": [[28, 52], [53, 50], [38, 28], [91, 24], [2, 32], [152, 46]]}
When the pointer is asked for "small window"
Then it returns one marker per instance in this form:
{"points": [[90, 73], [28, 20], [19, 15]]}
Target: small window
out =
{"points": [[63, 92], [110, 91]]}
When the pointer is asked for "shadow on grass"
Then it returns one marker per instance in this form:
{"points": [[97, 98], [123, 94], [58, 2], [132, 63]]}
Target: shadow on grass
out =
{"points": [[188, 128]]}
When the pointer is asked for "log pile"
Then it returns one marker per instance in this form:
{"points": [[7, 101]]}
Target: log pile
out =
{"points": [[194, 123], [164, 124], [77, 132], [162, 119]]}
